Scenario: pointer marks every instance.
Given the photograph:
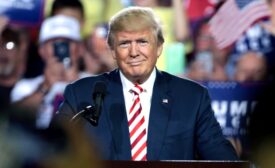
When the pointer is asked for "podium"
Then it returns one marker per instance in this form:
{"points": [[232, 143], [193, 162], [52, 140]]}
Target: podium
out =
{"points": [[177, 164]]}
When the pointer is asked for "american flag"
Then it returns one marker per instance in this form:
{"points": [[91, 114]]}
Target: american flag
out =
{"points": [[234, 18]]}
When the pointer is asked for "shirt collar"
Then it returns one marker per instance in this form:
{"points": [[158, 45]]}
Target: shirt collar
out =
{"points": [[147, 85]]}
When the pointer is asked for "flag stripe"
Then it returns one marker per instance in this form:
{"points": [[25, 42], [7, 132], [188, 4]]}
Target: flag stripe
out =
{"points": [[234, 18], [238, 32], [246, 17], [240, 25]]}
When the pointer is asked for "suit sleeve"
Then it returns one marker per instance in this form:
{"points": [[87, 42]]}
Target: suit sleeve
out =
{"points": [[67, 109], [211, 143]]}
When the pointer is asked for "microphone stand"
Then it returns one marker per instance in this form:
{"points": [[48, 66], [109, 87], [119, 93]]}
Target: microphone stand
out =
{"points": [[88, 114]]}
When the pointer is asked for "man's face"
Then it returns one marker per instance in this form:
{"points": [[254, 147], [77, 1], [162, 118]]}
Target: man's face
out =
{"points": [[8, 53], [204, 39], [136, 54], [250, 67]]}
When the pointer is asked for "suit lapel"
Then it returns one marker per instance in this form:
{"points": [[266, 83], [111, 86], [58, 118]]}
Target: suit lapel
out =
{"points": [[159, 115], [117, 119]]}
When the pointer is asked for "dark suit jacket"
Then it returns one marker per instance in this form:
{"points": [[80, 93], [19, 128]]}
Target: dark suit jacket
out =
{"points": [[179, 129]]}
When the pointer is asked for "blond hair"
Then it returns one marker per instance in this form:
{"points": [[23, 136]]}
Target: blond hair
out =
{"points": [[134, 19]]}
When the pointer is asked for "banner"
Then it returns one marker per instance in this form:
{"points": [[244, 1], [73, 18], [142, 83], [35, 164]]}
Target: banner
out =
{"points": [[232, 103], [23, 12]]}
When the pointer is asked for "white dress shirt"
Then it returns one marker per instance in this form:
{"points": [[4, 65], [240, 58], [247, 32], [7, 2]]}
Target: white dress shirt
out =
{"points": [[145, 96]]}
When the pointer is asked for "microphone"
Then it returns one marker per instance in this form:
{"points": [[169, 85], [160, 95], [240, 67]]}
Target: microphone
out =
{"points": [[92, 112], [98, 96]]}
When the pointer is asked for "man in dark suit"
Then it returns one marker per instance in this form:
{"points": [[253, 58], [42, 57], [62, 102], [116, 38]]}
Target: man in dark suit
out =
{"points": [[147, 114]]}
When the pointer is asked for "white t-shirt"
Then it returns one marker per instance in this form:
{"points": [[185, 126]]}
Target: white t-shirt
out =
{"points": [[51, 101]]}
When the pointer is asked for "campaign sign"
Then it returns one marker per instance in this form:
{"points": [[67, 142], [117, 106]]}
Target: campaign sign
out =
{"points": [[24, 12], [232, 103]]}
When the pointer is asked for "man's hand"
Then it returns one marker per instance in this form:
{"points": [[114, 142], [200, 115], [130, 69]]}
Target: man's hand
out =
{"points": [[54, 72]]}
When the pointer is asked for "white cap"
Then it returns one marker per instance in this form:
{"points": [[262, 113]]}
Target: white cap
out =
{"points": [[59, 26]]}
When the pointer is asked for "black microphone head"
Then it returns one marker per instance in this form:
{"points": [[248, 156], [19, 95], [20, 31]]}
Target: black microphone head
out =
{"points": [[99, 88]]}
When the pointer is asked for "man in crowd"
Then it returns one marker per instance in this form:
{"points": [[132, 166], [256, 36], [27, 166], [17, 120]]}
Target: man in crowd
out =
{"points": [[251, 67], [59, 49], [99, 52], [13, 54]]}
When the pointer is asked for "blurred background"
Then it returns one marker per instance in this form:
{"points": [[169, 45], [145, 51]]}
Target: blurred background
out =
{"points": [[225, 45]]}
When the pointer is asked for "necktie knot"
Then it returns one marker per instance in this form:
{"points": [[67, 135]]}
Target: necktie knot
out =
{"points": [[136, 89]]}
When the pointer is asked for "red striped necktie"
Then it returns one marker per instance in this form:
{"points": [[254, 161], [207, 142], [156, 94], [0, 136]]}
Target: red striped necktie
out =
{"points": [[137, 127]]}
